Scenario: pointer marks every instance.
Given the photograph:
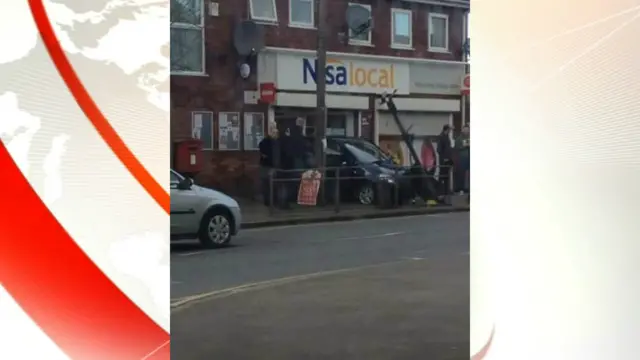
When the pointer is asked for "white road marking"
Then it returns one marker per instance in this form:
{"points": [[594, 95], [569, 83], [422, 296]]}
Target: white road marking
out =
{"points": [[372, 236], [191, 253], [181, 302]]}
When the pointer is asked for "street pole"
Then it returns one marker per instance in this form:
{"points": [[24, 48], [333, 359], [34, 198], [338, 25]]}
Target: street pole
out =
{"points": [[465, 98], [321, 81]]}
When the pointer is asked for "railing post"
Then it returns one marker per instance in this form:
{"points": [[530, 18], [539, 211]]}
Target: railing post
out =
{"points": [[396, 190], [336, 178], [271, 192]]}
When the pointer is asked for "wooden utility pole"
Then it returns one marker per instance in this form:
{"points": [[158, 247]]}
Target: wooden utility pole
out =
{"points": [[321, 82]]}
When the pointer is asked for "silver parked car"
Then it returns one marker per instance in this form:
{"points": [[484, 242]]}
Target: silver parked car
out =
{"points": [[207, 214]]}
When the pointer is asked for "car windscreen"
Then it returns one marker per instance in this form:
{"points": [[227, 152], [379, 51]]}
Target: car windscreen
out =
{"points": [[370, 149], [361, 156]]}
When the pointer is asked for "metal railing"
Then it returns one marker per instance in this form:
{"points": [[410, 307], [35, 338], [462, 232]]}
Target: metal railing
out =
{"points": [[342, 188]]}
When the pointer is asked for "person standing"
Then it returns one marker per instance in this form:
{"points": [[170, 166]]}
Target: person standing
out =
{"points": [[445, 155], [287, 166], [463, 150], [267, 163]]}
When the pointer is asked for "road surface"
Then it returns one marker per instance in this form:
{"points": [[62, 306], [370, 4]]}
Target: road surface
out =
{"points": [[372, 289]]}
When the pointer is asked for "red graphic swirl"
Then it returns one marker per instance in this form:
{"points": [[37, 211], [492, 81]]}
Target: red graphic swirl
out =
{"points": [[480, 355], [60, 287], [91, 110]]}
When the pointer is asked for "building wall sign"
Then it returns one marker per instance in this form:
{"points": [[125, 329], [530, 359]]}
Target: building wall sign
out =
{"points": [[466, 85], [436, 78], [343, 74]]}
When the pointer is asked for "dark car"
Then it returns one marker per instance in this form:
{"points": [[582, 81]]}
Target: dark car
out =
{"points": [[363, 171]]}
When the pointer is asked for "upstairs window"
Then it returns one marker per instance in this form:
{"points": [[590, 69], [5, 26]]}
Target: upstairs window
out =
{"points": [[364, 37], [401, 28], [263, 10], [301, 13], [187, 37], [438, 32]]}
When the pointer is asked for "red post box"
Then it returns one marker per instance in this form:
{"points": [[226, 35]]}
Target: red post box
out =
{"points": [[189, 156]]}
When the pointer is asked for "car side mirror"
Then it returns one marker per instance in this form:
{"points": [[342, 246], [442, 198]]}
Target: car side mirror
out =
{"points": [[185, 184]]}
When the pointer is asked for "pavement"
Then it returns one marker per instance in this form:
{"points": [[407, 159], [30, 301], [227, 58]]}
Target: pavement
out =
{"points": [[395, 288], [256, 215]]}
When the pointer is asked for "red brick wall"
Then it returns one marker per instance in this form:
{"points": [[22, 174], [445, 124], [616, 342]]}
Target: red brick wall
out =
{"points": [[282, 35], [223, 89]]}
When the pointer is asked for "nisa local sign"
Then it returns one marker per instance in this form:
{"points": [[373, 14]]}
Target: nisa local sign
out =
{"points": [[351, 76]]}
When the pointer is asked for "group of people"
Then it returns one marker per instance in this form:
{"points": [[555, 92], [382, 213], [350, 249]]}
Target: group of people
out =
{"points": [[455, 159], [287, 152], [291, 151]]}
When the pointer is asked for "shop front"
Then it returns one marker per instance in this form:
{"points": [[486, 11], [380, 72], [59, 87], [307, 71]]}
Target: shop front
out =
{"points": [[428, 96], [353, 83], [433, 101]]}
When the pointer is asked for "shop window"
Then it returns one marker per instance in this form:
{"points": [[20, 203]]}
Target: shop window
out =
{"points": [[401, 28], [253, 130], [438, 32], [336, 125], [263, 10], [229, 131], [187, 37], [301, 13], [202, 128], [364, 37]]}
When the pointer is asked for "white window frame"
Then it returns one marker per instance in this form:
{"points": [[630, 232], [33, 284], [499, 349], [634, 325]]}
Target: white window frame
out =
{"points": [[261, 18], [446, 32], [393, 28], [357, 41], [298, 24], [186, 26], [213, 139]]}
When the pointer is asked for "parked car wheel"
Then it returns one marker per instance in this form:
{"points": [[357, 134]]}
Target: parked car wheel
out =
{"points": [[366, 194], [216, 228]]}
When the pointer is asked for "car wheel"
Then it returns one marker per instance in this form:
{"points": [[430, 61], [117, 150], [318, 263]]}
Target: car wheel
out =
{"points": [[366, 194], [215, 229]]}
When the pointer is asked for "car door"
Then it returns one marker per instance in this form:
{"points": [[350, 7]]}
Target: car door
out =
{"points": [[183, 208], [350, 175]]}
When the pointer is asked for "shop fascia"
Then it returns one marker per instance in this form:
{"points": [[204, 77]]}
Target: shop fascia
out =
{"points": [[297, 70]]}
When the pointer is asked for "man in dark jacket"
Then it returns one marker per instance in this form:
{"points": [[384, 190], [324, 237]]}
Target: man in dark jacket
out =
{"points": [[445, 154], [267, 166], [293, 154]]}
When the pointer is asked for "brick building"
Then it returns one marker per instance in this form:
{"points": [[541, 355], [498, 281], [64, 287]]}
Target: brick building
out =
{"points": [[414, 46]]}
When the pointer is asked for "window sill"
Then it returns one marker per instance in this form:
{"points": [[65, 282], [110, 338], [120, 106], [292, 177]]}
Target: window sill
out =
{"points": [[188, 73], [358, 43], [268, 22], [302, 26], [439, 50], [402, 47]]}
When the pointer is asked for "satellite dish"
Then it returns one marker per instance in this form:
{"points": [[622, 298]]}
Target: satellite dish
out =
{"points": [[248, 38], [358, 18]]}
